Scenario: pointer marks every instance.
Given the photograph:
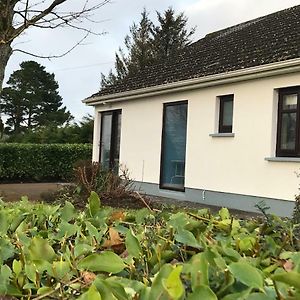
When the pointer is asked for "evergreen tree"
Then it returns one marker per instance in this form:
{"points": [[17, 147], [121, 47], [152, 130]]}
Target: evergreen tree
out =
{"points": [[32, 100], [148, 44], [171, 35], [139, 48]]}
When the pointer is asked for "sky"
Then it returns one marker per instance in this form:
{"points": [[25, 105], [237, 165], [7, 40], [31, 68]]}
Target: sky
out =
{"points": [[79, 72]]}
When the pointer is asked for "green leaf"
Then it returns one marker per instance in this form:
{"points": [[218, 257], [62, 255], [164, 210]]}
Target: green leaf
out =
{"points": [[103, 262], [17, 267], [7, 250], [187, 238], [247, 274], [30, 271], [224, 213], [44, 290], [66, 230], [104, 289], [81, 249], [202, 292], [4, 224], [289, 278], [132, 244], [40, 249], [259, 296], [5, 274], [157, 285], [199, 270], [173, 284], [94, 204], [91, 294], [60, 269], [68, 212]]}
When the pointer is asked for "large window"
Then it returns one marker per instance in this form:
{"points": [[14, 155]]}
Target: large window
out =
{"points": [[173, 146], [288, 131], [110, 139], [226, 114]]}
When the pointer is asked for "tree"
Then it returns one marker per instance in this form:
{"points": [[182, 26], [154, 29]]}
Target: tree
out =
{"points": [[32, 100], [148, 44], [77, 133], [16, 16], [171, 35], [139, 48]]}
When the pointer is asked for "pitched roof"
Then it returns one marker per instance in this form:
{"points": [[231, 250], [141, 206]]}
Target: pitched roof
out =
{"points": [[269, 39]]}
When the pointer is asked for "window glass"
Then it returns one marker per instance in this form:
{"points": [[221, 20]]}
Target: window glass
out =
{"points": [[288, 131], [106, 140], [290, 101], [227, 113], [174, 146], [110, 140]]}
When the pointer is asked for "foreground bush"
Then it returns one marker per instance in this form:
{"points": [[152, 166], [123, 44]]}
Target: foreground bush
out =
{"points": [[32, 162], [53, 252]]}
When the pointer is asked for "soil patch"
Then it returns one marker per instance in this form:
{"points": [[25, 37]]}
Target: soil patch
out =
{"points": [[37, 192]]}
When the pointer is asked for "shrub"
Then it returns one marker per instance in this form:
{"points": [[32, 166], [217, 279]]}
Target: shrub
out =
{"points": [[44, 162], [57, 252], [114, 189]]}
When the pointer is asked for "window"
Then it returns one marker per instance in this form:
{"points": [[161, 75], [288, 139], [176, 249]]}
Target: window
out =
{"points": [[110, 139], [288, 131], [172, 173], [225, 114]]}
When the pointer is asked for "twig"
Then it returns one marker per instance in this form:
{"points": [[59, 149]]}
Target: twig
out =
{"points": [[56, 289], [143, 200]]}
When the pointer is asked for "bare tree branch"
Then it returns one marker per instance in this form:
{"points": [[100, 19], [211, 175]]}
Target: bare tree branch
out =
{"points": [[53, 56]]}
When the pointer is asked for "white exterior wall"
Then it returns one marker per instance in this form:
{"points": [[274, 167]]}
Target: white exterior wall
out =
{"points": [[224, 164]]}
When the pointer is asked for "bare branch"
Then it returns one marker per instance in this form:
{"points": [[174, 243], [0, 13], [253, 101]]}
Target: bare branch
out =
{"points": [[53, 56]]}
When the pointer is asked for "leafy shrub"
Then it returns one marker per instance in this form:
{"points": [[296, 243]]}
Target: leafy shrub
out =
{"points": [[32, 162], [56, 252]]}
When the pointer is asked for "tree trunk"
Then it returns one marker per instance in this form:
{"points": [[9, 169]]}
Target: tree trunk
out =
{"points": [[5, 53]]}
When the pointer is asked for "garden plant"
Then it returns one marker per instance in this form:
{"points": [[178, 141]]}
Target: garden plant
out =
{"points": [[58, 252]]}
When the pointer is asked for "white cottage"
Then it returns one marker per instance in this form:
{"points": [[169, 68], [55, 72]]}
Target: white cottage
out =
{"points": [[219, 124]]}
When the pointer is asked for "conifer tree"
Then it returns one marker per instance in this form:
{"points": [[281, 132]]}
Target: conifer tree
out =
{"points": [[31, 99], [148, 44]]}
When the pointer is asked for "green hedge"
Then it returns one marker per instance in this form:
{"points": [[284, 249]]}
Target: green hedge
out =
{"points": [[40, 162]]}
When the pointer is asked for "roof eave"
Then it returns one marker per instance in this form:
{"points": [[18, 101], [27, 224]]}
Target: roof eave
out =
{"points": [[273, 69]]}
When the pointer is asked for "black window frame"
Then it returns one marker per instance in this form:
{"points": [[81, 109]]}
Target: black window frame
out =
{"points": [[281, 93], [222, 100], [114, 133]]}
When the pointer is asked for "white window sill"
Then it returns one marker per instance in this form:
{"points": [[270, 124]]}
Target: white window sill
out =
{"points": [[222, 134], [283, 159]]}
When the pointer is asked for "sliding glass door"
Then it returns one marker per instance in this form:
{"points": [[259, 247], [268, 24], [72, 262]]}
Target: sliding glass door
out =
{"points": [[110, 139], [172, 173]]}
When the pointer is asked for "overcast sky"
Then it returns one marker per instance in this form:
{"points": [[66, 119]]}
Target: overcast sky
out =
{"points": [[78, 73]]}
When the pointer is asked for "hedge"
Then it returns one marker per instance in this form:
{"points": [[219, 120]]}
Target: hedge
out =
{"points": [[40, 162]]}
